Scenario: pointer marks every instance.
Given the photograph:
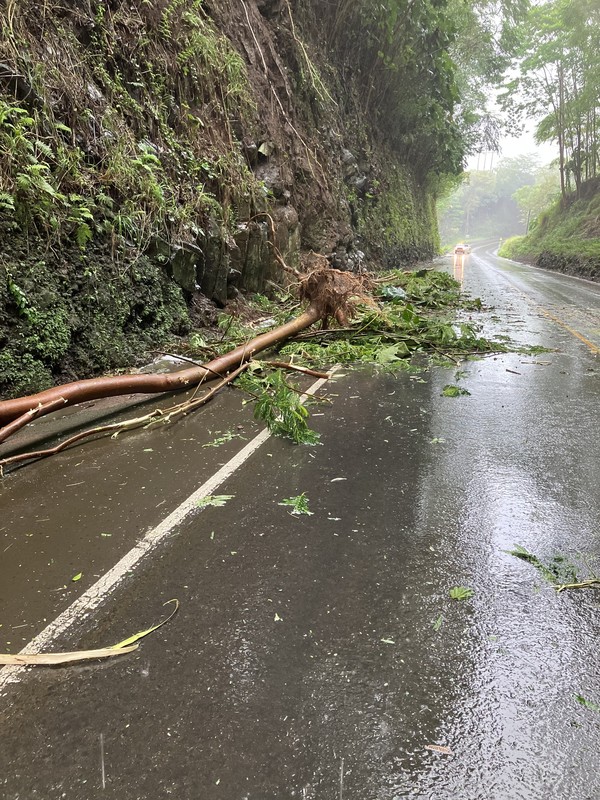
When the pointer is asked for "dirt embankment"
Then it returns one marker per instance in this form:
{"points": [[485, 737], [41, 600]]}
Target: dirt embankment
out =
{"points": [[155, 156], [566, 238]]}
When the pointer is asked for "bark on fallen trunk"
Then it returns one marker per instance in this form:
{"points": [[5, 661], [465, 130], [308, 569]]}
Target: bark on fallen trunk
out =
{"points": [[329, 293], [95, 388]]}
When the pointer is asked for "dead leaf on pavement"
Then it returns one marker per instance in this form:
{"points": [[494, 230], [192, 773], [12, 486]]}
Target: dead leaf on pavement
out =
{"points": [[54, 659], [437, 748]]}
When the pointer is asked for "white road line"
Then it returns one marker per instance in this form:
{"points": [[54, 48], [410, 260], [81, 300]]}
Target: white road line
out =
{"points": [[99, 592]]}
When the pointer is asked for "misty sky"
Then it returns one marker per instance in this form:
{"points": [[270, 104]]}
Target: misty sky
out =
{"points": [[512, 146]]}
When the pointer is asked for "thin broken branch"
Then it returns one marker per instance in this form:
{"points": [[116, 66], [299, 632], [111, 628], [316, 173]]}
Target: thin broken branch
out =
{"points": [[116, 428], [28, 416], [304, 370], [592, 583]]}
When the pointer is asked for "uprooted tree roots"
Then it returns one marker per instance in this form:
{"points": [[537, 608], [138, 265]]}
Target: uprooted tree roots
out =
{"points": [[335, 294]]}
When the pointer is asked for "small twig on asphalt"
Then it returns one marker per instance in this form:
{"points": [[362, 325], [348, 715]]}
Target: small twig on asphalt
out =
{"points": [[592, 583], [301, 392], [102, 761], [304, 370], [445, 354]]}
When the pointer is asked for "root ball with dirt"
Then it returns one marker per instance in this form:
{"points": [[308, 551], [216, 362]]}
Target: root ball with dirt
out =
{"points": [[335, 294]]}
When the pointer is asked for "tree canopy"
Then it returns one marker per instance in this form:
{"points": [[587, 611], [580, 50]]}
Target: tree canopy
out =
{"points": [[559, 84], [499, 202], [424, 68]]}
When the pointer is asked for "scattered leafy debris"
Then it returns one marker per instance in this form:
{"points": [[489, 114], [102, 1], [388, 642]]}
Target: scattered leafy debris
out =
{"points": [[299, 504], [586, 703], [460, 593], [537, 349], [77, 577], [216, 500], [219, 440], [427, 288], [392, 293], [388, 641], [438, 622], [450, 390], [279, 405], [558, 571], [420, 321]]}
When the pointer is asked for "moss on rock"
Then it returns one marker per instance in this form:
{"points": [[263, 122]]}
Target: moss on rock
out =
{"points": [[66, 314]]}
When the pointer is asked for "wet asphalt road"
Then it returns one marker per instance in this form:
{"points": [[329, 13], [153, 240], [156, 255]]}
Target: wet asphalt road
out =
{"points": [[320, 656]]}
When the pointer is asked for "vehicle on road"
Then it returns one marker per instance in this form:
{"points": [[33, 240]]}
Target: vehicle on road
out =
{"points": [[462, 248]]}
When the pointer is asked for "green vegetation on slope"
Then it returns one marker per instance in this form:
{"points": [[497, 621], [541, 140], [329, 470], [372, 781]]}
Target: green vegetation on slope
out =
{"points": [[564, 239], [143, 145]]}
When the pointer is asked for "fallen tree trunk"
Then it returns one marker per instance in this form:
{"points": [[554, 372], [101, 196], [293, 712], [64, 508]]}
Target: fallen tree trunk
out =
{"points": [[113, 386], [329, 293]]}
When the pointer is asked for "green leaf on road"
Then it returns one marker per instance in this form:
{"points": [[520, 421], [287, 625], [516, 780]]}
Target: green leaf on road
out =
{"points": [[77, 577], [586, 703], [438, 623], [217, 500], [386, 355], [454, 391], [558, 570], [137, 636], [299, 504], [461, 593], [226, 437]]}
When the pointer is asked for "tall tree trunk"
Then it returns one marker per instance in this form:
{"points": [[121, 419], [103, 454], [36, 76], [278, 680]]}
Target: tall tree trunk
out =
{"points": [[561, 131]]}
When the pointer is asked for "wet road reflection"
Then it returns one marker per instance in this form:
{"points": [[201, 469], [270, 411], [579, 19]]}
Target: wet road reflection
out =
{"points": [[321, 657], [458, 267]]}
